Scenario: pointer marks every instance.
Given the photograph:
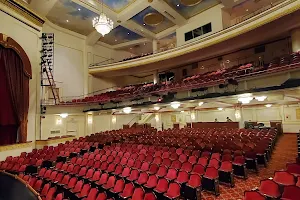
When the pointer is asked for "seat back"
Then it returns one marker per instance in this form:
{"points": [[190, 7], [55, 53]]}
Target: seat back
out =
{"points": [[291, 192], [253, 195], [92, 194], [138, 194], [50, 194], [194, 181], [173, 190], [269, 188], [162, 185], [119, 186]]}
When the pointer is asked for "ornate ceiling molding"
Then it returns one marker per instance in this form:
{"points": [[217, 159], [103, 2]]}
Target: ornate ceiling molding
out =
{"points": [[20, 8]]}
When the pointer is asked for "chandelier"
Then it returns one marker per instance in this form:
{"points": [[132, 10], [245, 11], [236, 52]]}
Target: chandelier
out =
{"points": [[103, 24]]}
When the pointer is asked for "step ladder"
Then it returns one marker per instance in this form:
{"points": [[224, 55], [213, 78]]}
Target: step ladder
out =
{"points": [[47, 64]]}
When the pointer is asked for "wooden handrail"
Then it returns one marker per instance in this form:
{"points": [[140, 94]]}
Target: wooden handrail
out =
{"points": [[24, 182]]}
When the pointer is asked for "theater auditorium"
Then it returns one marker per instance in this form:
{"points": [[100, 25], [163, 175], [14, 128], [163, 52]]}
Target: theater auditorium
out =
{"points": [[150, 99]]}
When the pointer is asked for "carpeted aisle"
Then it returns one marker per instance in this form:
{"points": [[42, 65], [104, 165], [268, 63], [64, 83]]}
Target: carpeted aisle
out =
{"points": [[285, 151]]}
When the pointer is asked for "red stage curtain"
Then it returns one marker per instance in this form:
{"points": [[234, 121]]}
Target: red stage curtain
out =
{"points": [[15, 94]]}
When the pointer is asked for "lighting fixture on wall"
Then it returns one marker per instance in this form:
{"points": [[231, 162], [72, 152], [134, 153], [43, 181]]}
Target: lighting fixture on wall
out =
{"points": [[64, 115], [175, 104], [102, 23], [220, 108], [245, 100], [182, 111], [261, 98], [127, 110], [113, 119], [268, 105], [90, 119], [237, 114], [156, 117], [58, 121], [156, 108], [193, 116], [200, 103]]}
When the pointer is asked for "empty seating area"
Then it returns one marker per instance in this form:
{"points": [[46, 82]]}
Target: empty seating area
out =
{"points": [[221, 76], [145, 163], [285, 185]]}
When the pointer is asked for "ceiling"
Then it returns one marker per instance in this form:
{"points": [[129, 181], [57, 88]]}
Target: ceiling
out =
{"points": [[136, 22]]}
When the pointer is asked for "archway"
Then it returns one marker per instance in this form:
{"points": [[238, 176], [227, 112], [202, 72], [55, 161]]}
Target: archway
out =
{"points": [[15, 73]]}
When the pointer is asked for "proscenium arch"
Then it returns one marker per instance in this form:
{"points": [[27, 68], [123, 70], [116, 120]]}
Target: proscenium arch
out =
{"points": [[9, 43]]}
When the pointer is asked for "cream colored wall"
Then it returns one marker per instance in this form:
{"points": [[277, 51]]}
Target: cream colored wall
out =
{"points": [[71, 123], [212, 15], [29, 40], [14, 152], [104, 122]]}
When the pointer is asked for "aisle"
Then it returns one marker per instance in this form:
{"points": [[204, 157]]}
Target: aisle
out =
{"points": [[284, 152]]}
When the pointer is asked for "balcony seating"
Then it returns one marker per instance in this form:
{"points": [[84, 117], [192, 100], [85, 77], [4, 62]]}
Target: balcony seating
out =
{"points": [[220, 76]]}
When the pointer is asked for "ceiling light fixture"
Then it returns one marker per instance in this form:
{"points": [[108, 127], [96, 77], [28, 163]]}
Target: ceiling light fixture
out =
{"points": [[156, 108], [182, 111], [79, 9], [175, 104], [200, 103], [127, 110], [64, 115], [103, 24], [220, 108], [67, 20], [177, 5], [144, 24], [245, 100], [268, 105], [261, 98]]}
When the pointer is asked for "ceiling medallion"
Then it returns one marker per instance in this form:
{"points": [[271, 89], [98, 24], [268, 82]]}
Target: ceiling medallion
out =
{"points": [[153, 19], [190, 2]]}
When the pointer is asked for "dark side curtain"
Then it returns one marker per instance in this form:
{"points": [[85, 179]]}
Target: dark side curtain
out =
{"points": [[14, 98]]}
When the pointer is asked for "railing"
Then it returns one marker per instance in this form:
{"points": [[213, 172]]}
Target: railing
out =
{"points": [[270, 7]]}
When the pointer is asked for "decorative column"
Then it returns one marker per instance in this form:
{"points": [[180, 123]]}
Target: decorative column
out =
{"points": [[154, 46], [155, 77], [295, 36]]}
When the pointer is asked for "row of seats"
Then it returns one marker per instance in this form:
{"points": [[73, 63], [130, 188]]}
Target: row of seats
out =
{"points": [[221, 76], [285, 185]]}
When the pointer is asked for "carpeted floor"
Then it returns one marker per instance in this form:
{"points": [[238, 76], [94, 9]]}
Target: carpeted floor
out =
{"points": [[285, 151]]}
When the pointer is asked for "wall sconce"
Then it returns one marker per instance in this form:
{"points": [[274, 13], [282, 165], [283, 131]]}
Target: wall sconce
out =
{"points": [[58, 121], [114, 119], [90, 119], [193, 116], [237, 114], [156, 117]]}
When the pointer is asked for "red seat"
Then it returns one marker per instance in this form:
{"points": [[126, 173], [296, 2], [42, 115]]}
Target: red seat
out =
{"points": [[59, 196], [77, 188], [101, 196], [171, 175], [173, 191], [152, 182], [142, 179], [291, 192], [187, 167], [50, 194], [269, 188], [150, 196], [198, 169], [110, 183], [37, 186], [162, 186], [134, 174], [176, 164], [162, 171], [182, 177], [45, 190], [253, 195], [85, 191], [125, 172], [145, 167], [138, 194], [96, 176], [284, 178], [128, 191], [119, 186], [153, 168], [103, 179], [293, 168]]}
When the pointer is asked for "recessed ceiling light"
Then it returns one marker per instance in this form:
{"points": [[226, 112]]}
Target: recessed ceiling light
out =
{"points": [[247, 10], [182, 111], [156, 108], [128, 33], [220, 108], [200, 103], [178, 5], [144, 24], [67, 20], [79, 9], [116, 40], [130, 47], [268, 105]]}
